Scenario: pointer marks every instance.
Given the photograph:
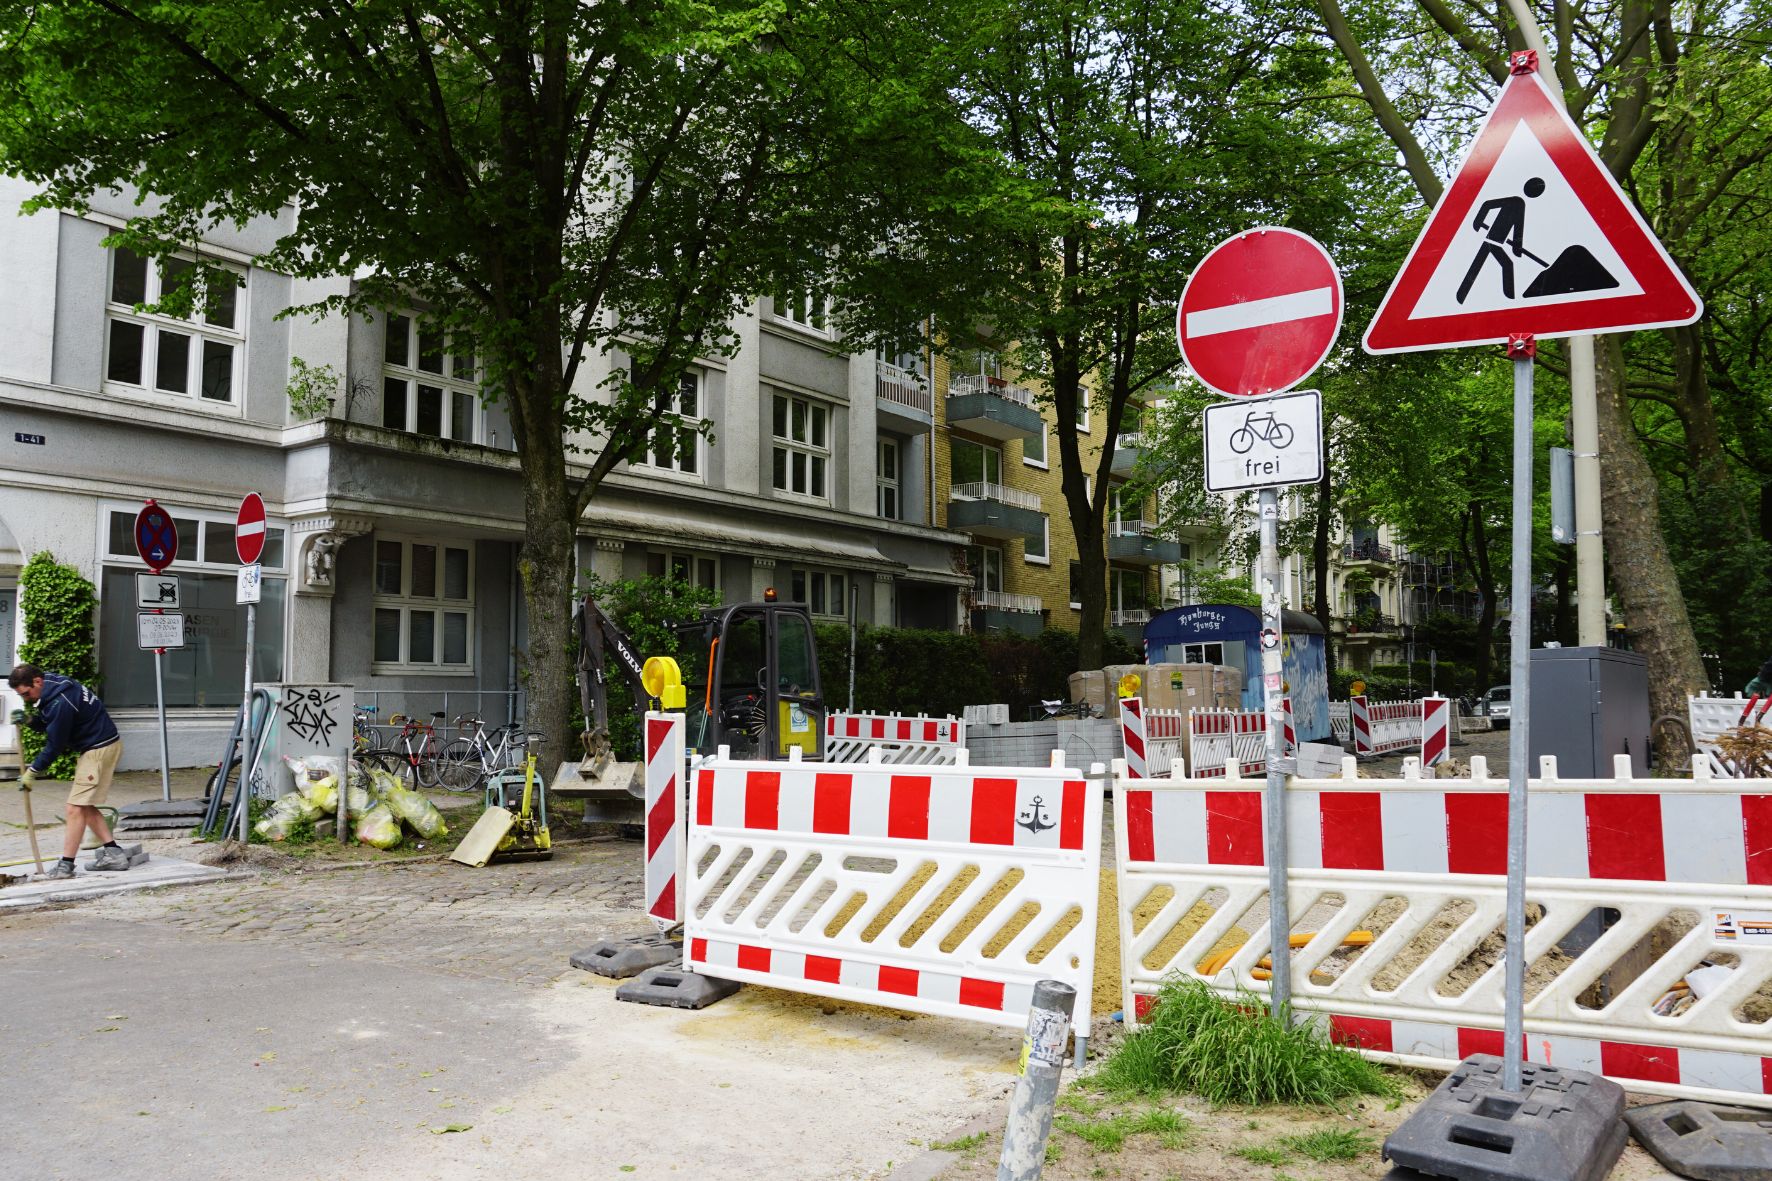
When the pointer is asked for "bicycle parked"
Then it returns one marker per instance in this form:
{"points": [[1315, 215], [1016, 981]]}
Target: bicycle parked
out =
{"points": [[417, 751], [471, 758]]}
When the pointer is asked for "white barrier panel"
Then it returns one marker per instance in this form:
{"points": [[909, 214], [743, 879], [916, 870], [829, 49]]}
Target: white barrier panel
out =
{"points": [[1709, 717], [1132, 736], [888, 888], [1156, 735], [664, 816], [900, 741], [1686, 865], [1218, 736], [1436, 733], [1341, 722]]}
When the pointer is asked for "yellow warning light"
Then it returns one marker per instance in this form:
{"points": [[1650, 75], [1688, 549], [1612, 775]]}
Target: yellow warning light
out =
{"points": [[1357, 688], [769, 594], [1129, 685], [663, 680]]}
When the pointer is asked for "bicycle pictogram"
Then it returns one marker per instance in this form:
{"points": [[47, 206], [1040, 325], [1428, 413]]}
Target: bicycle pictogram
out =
{"points": [[1263, 426]]}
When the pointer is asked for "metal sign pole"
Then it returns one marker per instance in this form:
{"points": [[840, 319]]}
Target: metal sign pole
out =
{"points": [[1273, 686], [160, 707], [1522, 348], [246, 751]]}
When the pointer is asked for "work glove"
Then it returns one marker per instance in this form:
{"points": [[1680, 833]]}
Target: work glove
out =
{"points": [[27, 777]]}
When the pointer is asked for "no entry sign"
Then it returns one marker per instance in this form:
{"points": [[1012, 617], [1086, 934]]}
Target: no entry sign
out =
{"points": [[156, 537], [249, 529], [1260, 312]]}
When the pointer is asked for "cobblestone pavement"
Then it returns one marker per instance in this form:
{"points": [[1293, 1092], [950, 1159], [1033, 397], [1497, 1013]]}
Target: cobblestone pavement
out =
{"points": [[512, 922]]}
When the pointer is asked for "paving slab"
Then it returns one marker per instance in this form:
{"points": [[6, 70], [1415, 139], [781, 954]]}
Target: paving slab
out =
{"points": [[152, 874]]}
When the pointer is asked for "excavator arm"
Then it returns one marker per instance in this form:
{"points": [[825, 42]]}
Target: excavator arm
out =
{"points": [[598, 637]]}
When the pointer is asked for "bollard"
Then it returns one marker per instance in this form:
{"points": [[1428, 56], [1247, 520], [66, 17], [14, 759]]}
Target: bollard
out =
{"points": [[1036, 1092]]}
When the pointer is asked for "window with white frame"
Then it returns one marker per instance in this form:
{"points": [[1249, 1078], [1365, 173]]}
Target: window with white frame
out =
{"points": [[205, 672], [1037, 551], [886, 481], [701, 570], [973, 463], [987, 567], [823, 592], [1212, 653], [1076, 586], [428, 388], [801, 458], [1033, 451], [675, 442], [1083, 409], [810, 310], [424, 606], [196, 358]]}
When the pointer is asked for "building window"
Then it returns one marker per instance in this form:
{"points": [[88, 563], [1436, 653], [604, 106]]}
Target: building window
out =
{"points": [[821, 590], [1083, 409], [701, 570], [1038, 551], [886, 479], [973, 463], [1212, 653], [987, 567], [1076, 586], [1126, 590], [674, 444], [1033, 451], [802, 451], [428, 388], [807, 309], [424, 606], [195, 358], [976, 362], [206, 672]]}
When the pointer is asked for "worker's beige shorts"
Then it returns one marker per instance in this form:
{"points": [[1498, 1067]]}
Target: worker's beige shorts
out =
{"points": [[92, 775]]}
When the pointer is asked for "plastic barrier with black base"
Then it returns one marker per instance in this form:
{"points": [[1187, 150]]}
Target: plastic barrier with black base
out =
{"points": [[1705, 1141], [622, 958], [674, 988], [1562, 1125]]}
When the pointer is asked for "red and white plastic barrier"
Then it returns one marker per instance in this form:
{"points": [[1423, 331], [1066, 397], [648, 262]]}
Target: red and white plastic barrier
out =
{"points": [[1151, 738], [1436, 730], [1217, 736], [1384, 727], [899, 740], [1132, 737], [664, 816], [1685, 864], [1709, 717], [1361, 714], [823, 880]]}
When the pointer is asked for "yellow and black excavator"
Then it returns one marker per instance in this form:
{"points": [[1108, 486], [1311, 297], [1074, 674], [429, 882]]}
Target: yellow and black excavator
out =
{"points": [[750, 678]]}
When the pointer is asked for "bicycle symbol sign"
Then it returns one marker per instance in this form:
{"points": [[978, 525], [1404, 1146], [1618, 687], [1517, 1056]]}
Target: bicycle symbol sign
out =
{"points": [[1273, 443]]}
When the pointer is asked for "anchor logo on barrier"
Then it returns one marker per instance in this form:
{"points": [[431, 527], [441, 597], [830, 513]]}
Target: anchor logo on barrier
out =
{"points": [[1035, 819]]}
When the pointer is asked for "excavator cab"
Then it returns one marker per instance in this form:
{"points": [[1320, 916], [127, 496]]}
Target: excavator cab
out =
{"points": [[751, 675]]}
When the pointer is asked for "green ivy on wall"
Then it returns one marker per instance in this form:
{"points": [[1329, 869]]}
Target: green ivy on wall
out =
{"points": [[58, 605]]}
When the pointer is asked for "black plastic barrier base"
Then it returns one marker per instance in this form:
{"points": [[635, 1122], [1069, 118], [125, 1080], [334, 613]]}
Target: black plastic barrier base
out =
{"points": [[1705, 1141], [621, 958], [676, 989], [1562, 1125]]}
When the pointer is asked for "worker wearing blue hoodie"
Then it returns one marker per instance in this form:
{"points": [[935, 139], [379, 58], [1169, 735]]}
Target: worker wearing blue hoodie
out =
{"points": [[71, 717]]}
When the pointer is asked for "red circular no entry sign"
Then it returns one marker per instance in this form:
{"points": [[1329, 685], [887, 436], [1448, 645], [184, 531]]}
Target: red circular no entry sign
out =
{"points": [[249, 528], [1260, 312]]}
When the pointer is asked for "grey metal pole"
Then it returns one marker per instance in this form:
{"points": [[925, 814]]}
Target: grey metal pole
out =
{"points": [[854, 610], [1036, 1092], [160, 708], [247, 753], [1273, 681], [1522, 350]]}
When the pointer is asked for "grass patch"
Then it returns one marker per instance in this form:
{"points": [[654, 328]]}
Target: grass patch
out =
{"points": [[1262, 1154], [1232, 1052], [1110, 1135], [961, 1143], [1330, 1144], [1079, 1101]]}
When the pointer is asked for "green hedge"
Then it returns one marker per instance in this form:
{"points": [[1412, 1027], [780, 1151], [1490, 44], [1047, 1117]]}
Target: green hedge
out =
{"points": [[58, 605]]}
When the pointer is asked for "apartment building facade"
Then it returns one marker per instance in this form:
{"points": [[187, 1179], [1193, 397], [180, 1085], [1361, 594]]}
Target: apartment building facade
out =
{"points": [[394, 516]]}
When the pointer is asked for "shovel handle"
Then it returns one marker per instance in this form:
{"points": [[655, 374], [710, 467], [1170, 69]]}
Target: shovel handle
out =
{"points": [[31, 828]]}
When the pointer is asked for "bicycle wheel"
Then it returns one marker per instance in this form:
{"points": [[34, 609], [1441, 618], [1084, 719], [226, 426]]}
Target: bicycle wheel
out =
{"points": [[458, 767], [1246, 435], [1282, 437], [428, 766], [380, 760]]}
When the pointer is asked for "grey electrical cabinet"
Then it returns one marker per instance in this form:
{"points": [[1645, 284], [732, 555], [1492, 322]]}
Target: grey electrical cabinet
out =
{"points": [[1587, 705]]}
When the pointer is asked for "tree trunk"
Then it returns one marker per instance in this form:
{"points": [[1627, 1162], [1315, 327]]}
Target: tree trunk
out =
{"points": [[1320, 568], [1092, 590], [1643, 575], [545, 563]]}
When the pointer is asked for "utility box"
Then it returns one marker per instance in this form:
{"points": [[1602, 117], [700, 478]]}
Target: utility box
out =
{"points": [[310, 720], [1589, 704]]}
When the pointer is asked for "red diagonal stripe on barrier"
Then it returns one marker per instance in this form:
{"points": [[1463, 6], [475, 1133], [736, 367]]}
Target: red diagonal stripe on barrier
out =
{"points": [[981, 994], [1756, 833], [704, 798], [657, 731], [1133, 743], [1233, 828], [762, 800], [1352, 829], [1624, 837], [993, 811], [907, 811], [661, 818], [1365, 1033], [665, 906], [1656, 1064], [1070, 816], [830, 803], [1476, 832], [1141, 844], [900, 980]]}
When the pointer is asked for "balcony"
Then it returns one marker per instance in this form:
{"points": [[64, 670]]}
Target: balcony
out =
{"points": [[903, 395], [1000, 611], [993, 408], [1127, 449], [994, 511], [1365, 626], [1130, 623], [1137, 542], [1367, 551]]}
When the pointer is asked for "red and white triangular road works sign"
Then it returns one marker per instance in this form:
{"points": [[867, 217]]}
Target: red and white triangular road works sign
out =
{"points": [[1533, 235]]}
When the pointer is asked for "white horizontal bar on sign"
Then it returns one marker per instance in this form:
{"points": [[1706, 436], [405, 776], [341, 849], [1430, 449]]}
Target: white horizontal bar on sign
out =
{"points": [[1258, 313]]}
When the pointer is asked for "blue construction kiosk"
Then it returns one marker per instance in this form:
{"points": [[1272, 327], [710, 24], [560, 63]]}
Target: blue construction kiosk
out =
{"points": [[1210, 633]]}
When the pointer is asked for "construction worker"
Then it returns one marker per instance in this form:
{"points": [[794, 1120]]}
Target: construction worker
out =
{"points": [[71, 717]]}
